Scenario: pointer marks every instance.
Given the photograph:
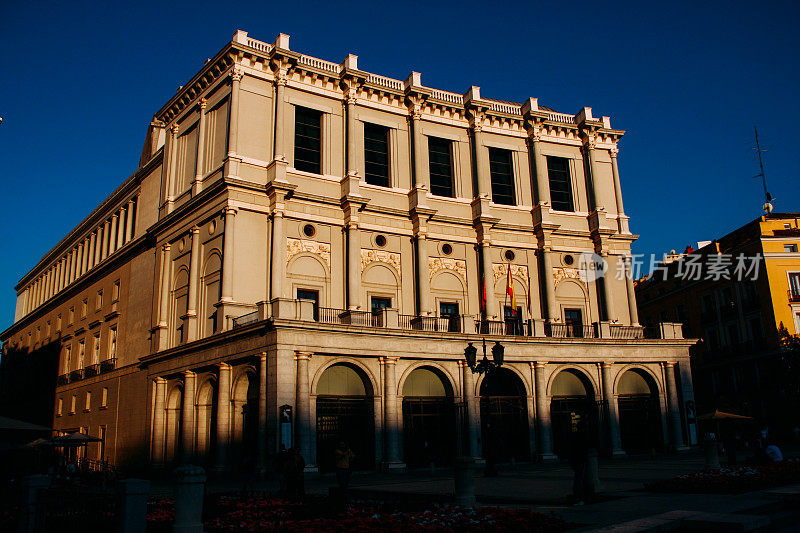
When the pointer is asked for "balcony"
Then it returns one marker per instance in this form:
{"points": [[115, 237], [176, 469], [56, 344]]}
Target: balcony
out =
{"points": [[76, 375], [303, 310], [108, 365], [91, 370], [794, 296], [63, 379]]}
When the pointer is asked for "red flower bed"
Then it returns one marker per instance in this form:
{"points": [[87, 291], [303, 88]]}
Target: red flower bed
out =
{"points": [[731, 480], [230, 513]]}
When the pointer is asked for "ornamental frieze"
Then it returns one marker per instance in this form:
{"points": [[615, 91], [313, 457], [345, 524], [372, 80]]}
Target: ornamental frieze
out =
{"points": [[380, 256], [295, 246], [501, 270], [560, 274], [437, 264]]}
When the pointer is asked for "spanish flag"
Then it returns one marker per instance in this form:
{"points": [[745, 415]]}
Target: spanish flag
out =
{"points": [[510, 291]]}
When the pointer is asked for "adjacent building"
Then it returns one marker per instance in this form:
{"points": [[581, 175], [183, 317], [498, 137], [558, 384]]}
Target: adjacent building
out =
{"points": [[306, 250], [738, 365]]}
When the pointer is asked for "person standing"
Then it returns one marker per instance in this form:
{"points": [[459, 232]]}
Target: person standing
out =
{"points": [[343, 458]]}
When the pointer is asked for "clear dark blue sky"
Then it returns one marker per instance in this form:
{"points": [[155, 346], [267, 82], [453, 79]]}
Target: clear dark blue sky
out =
{"points": [[80, 81]]}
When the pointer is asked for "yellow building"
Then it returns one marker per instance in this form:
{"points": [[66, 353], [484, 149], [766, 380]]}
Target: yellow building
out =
{"points": [[780, 244]]}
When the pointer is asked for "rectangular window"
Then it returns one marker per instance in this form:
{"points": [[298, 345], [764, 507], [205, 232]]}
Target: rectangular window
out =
{"points": [[71, 316], [101, 450], [379, 303], [560, 184], [58, 322], [99, 303], [440, 165], [376, 154], [88, 405], [449, 310], [307, 139], [47, 329], [84, 307], [790, 248], [112, 342], [115, 292], [307, 294], [60, 406], [501, 170], [72, 405], [794, 285], [81, 354], [573, 318], [67, 359], [104, 398], [96, 349]]}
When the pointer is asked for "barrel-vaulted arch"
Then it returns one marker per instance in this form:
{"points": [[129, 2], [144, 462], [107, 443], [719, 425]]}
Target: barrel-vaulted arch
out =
{"points": [[244, 423], [429, 423], [578, 371], [573, 409], [505, 426], [344, 390], [440, 369], [641, 369], [210, 291], [206, 404], [173, 422], [180, 301], [638, 394]]}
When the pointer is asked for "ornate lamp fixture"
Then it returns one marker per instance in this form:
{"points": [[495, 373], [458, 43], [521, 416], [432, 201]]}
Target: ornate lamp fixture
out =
{"points": [[471, 355]]}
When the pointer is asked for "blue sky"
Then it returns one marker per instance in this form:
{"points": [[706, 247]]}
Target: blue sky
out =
{"points": [[688, 81]]}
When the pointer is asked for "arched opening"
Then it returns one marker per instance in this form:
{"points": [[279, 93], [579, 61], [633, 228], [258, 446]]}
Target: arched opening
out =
{"points": [[180, 299], [210, 295], [504, 417], [572, 410], [245, 417], [173, 420], [206, 422], [428, 418], [639, 412], [345, 412]]}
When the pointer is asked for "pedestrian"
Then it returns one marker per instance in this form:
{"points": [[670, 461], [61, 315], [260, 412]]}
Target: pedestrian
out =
{"points": [[343, 459], [578, 460]]}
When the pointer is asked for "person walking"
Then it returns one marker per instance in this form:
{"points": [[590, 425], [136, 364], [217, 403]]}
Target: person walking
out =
{"points": [[343, 459]]}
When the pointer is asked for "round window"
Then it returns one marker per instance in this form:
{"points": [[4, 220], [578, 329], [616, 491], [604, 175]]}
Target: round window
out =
{"points": [[568, 259], [509, 255], [309, 230], [447, 249], [380, 240]]}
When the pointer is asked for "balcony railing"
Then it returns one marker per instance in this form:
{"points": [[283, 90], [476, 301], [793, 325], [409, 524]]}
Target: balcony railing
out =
{"points": [[627, 332], [570, 331], [108, 365], [244, 320], [76, 375], [91, 370], [63, 379]]}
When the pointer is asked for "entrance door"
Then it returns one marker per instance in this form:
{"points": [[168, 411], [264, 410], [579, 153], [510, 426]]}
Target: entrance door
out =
{"points": [[513, 320], [428, 419], [573, 318], [349, 419], [307, 294], [449, 310], [504, 417]]}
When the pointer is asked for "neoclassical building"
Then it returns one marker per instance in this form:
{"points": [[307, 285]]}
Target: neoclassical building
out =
{"points": [[304, 253]]}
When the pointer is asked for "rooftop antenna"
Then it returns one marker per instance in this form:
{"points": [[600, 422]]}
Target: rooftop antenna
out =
{"points": [[767, 207]]}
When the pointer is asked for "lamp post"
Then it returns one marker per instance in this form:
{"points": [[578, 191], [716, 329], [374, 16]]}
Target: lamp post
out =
{"points": [[465, 466]]}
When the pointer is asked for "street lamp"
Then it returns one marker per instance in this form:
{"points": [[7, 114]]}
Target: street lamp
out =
{"points": [[484, 366]]}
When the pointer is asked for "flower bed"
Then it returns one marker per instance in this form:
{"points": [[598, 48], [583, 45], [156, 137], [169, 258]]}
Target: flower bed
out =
{"points": [[731, 480], [232, 513]]}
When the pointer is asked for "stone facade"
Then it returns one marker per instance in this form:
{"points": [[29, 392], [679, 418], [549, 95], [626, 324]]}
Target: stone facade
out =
{"points": [[208, 254]]}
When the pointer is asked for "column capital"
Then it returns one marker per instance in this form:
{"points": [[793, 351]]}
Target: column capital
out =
{"points": [[230, 210], [189, 374], [224, 366], [174, 130], [166, 247], [300, 356], [115, 215], [262, 356], [668, 364], [280, 77], [195, 230], [203, 103], [613, 151], [389, 360], [236, 75], [159, 380], [607, 364], [539, 364]]}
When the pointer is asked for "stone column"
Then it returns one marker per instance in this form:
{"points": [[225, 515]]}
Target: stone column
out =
{"points": [[223, 415], [98, 250], [92, 248], [552, 311], [194, 282], [302, 407], [471, 414], [129, 221], [632, 309], [106, 229], [613, 409], [608, 293], [353, 266], [589, 147], [262, 413], [421, 175], [121, 228], [79, 267], [188, 415], [82, 254], [423, 281], [280, 113], [391, 421], [166, 282], [197, 186], [543, 422], [676, 430], [159, 422], [488, 280], [112, 240], [172, 167], [481, 161], [233, 140], [278, 263], [227, 256], [74, 267], [617, 186], [540, 164]]}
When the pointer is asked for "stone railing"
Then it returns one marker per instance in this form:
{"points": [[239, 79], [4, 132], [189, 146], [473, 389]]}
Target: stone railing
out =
{"points": [[259, 45], [319, 64], [505, 107], [447, 96], [383, 81], [560, 117]]}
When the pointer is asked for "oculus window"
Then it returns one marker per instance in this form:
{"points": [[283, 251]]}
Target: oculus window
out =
{"points": [[441, 166], [307, 139], [376, 154], [501, 171], [560, 184]]}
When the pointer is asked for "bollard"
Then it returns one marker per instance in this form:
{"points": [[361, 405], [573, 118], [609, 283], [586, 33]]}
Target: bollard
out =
{"points": [[465, 481], [592, 474], [132, 497], [712, 454], [189, 491], [29, 516]]}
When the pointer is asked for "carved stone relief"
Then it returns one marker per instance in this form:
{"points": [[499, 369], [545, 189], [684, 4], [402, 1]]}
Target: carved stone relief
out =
{"points": [[295, 246], [381, 256], [436, 264]]}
